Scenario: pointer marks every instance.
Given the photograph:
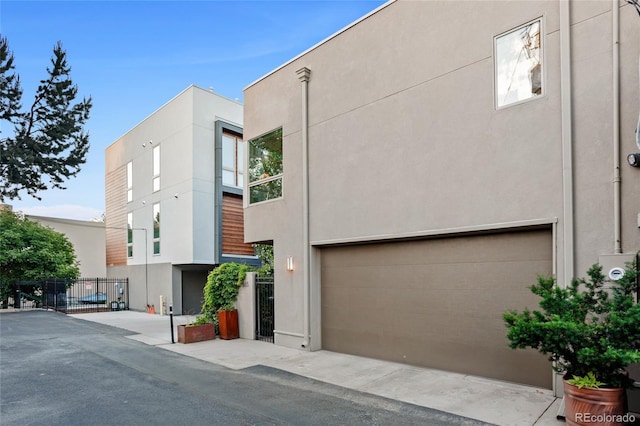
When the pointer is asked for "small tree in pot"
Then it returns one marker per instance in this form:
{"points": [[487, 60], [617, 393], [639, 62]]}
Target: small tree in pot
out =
{"points": [[220, 294], [590, 333]]}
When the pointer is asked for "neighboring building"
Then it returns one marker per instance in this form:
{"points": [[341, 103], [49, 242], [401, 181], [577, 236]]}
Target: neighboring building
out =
{"points": [[88, 239], [418, 169], [174, 200]]}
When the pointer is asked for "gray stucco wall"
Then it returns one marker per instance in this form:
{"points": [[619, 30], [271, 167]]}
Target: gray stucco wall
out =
{"points": [[404, 137], [146, 284]]}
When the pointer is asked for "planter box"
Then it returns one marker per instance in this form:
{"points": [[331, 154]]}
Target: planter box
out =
{"points": [[228, 324], [196, 333]]}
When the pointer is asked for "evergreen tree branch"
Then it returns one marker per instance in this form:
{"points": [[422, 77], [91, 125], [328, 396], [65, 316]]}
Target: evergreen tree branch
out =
{"points": [[49, 144]]}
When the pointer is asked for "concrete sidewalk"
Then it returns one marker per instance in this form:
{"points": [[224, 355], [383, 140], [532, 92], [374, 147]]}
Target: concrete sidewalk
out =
{"points": [[491, 401]]}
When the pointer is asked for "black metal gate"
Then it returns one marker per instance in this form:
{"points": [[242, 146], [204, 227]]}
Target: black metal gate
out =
{"points": [[70, 296], [97, 294], [54, 294], [264, 309], [21, 294]]}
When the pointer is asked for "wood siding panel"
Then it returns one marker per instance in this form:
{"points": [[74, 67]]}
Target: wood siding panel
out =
{"points": [[116, 216], [233, 227]]}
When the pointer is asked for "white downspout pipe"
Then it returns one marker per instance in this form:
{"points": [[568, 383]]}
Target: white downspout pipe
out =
{"points": [[303, 75], [567, 142], [617, 178]]}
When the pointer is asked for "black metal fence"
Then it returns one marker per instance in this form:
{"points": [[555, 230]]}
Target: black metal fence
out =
{"points": [[69, 296], [264, 307], [21, 295]]}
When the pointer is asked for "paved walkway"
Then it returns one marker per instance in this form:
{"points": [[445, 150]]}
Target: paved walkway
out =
{"points": [[491, 401]]}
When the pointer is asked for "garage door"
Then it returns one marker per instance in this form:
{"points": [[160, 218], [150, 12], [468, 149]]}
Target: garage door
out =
{"points": [[436, 303], [192, 288]]}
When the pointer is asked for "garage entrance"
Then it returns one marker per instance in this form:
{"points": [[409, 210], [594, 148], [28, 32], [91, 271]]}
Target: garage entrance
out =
{"points": [[436, 303], [193, 290]]}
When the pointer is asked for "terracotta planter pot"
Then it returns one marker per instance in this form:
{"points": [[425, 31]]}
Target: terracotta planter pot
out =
{"points": [[228, 326], [196, 333], [594, 407]]}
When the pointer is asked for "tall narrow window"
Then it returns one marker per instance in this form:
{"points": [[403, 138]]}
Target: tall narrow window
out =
{"points": [[265, 167], [156, 228], [156, 168], [129, 182], [232, 160], [129, 234], [518, 64]]}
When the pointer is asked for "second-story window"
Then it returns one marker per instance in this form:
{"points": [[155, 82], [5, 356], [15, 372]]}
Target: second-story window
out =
{"points": [[156, 168], [265, 167], [232, 160], [129, 234], [518, 64], [129, 182], [156, 228]]}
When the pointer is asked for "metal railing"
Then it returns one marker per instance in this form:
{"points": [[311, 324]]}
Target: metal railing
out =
{"points": [[69, 296]]}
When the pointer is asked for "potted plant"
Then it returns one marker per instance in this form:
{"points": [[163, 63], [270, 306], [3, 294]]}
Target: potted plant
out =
{"points": [[200, 330], [220, 294], [591, 333]]}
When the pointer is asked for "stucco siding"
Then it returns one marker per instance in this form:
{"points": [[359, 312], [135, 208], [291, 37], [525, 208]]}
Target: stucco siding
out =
{"points": [[405, 141], [397, 116], [389, 144], [88, 239]]}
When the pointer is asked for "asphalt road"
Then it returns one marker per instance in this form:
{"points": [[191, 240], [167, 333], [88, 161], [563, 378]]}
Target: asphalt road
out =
{"points": [[58, 370]]}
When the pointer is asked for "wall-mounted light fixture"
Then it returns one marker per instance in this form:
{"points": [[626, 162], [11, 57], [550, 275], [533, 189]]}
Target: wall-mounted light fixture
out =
{"points": [[150, 141], [289, 263]]}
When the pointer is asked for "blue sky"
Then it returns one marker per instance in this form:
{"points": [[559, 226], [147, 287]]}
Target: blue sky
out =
{"points": [[132, 57]]}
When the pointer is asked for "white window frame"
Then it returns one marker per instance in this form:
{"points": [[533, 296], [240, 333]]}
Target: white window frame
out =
{"points": [[156, 239], [251, 184], [129, 235], [129, 181], [542, 59], [156, 168], [238, 163]]}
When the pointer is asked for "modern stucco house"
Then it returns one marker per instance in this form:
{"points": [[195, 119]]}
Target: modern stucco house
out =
{"points": [[174, 200], [417, 170]]}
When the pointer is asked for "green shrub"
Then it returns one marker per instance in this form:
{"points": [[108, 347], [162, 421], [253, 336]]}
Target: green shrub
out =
{"points": [[221, 290], [584, 328]]}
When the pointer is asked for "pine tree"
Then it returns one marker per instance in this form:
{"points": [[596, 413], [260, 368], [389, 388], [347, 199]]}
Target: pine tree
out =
{"points": [[49, 143]]}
